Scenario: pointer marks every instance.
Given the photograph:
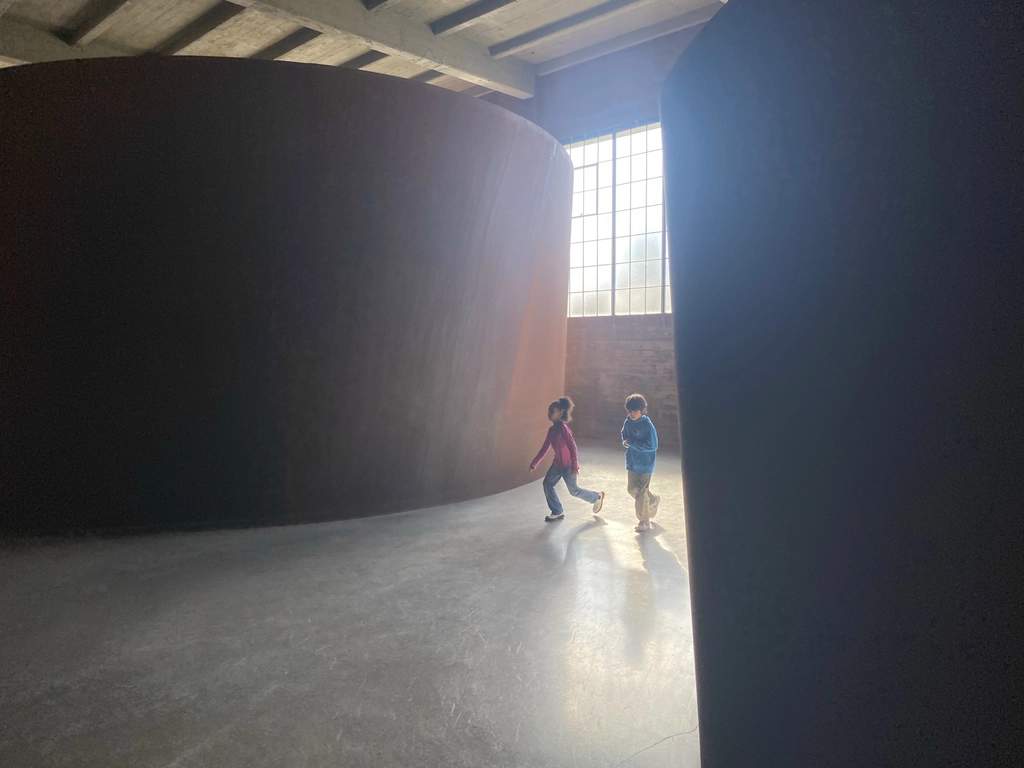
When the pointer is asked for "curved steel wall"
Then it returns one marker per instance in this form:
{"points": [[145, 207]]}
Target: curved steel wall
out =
{"points": [[250, 292], [844, 208]]}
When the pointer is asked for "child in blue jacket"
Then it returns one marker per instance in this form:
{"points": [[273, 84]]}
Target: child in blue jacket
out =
{"points": [[641, 441]]}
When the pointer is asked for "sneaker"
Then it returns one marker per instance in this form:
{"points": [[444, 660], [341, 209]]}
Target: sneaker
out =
{"points": [[552, 518], [599, 503], [641, 527]]}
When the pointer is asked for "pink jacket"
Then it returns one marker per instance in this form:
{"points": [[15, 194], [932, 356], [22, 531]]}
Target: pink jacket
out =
{"points": [[560, 438]]}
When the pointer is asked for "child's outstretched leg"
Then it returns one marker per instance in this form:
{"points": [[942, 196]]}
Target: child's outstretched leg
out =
{"points": [[639, 487], [554, 474], [592, 497]]}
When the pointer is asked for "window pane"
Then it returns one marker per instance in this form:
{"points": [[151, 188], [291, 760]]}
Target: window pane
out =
{"points": [[604, 148], [654, 245], [622, 275], [622, 170], [575, 280], [638, 274], [590, 151], [604, 278], [637, 248], [577, 180], [576, 255], [604, 251], [590, 254], [577, 204], [654, 218], [653, 273], [654, 164], [604, 174], [622, 248], [653, 300], [604, 226], [637, 221], [604, 303], [654, 137], [589, 304], [654, 190], [590, 278], [575, 305], [622, 302], [638, 194], [576, 154], [589, 202], [638, 168], [576, 233], [622, 225], [590, 227], [637, 301], [622, 144], [604, 200], [590, 177], [622, 197], [639, 141]]}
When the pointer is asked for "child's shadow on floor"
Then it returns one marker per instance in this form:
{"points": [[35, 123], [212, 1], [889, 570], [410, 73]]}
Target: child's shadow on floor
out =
{"points": [[556, 544], [659, 562]]}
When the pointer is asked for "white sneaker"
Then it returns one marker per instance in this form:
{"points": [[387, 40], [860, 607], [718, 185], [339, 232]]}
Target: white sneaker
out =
{"points": [[552, 518], [641, 527], [599, 503]]}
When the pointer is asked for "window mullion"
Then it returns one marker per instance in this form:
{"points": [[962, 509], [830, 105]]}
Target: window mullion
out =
{"points": [[615, 213]]}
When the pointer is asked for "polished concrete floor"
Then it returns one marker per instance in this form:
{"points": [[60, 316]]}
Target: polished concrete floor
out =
{"points": [[469, 635]]}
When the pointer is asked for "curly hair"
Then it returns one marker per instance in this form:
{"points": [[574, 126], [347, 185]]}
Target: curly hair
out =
{"points": [[565, 405]]}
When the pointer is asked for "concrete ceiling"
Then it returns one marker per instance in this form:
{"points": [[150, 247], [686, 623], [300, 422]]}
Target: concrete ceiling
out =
{"points": [[475, 46]]}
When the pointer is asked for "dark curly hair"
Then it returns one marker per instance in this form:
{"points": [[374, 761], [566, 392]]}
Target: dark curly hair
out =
{"points": [[565, 405]]}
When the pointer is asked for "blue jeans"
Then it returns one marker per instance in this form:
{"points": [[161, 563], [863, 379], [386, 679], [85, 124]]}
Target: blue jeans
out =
{"points": [[564, 473]]}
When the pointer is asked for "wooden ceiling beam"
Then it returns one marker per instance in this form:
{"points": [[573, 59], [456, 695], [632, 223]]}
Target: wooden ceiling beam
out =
{"points": [[427, 77], [527, 40], [364, 60], [25, 44], [464, 17], [288, 44], [99, 18], [406, 38], [199, 28], [686, 20]]}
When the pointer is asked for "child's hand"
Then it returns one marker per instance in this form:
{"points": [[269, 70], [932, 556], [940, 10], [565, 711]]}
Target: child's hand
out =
{"points": [[533, 469], [625, 443]]}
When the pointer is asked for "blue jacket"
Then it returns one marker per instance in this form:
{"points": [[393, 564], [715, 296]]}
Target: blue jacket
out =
{"points": [[643, 445]]}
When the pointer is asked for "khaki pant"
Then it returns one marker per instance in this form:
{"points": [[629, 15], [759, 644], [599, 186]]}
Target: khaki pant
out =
{"points": [[639, 487]]}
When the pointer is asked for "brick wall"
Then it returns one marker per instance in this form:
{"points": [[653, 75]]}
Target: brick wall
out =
{"points": [[608, 358]]}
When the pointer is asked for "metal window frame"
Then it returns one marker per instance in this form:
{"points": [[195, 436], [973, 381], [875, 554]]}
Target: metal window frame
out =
{"points": [[583, 138]]}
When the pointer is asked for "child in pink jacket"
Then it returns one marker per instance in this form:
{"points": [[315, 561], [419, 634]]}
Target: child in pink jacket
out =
{"points": [[566, 465]]}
